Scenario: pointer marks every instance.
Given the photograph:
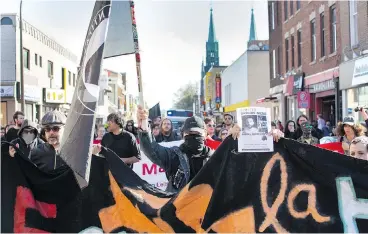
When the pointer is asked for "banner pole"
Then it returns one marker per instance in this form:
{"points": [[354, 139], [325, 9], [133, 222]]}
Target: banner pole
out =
{"points": [[137, 55]]}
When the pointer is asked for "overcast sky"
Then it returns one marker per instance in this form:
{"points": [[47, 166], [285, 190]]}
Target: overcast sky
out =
{"points": [[172, 36]]}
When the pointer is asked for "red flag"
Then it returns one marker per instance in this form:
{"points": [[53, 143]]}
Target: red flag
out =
{"points": [[212, 144], [334, 146]]}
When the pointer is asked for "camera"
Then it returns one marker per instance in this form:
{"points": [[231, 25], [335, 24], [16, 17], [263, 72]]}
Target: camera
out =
{"points": [[357, 109]]}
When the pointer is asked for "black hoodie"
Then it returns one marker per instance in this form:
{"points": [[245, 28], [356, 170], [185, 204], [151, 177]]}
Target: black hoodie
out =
{"points": [[25, 149]]}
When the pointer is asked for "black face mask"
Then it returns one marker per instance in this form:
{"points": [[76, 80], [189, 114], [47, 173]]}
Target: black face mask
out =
{"points": [[193, 145]]}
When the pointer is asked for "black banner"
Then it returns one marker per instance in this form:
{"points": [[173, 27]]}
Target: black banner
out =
{"points": [[298, 188]]}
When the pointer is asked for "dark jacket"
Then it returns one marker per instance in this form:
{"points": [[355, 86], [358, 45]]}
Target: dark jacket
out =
{"points": [[25, 149], [172, 160], [46, 158]]}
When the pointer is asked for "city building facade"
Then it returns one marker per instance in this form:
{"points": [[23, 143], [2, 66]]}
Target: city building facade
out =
{"points": [[305, 53], [50, 71], [354, 67]]}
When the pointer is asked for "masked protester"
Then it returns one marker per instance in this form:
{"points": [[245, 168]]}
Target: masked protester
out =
{"points": [[181, 163], [307, 137], [27, 139], [46, 156]]}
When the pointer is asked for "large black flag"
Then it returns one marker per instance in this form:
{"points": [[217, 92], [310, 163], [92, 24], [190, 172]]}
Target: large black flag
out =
{"points": [[78, 134], [297, 188]]}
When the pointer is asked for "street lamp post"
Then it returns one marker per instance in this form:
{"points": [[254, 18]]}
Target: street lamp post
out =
{"points": [[21, 60]]}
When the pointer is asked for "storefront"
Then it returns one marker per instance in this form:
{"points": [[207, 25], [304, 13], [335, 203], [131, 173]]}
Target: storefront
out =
{"points": [[323, 99], [277, 104], [54, 99], [8, 103], [354, 86], [294, 84], [32, 95]]}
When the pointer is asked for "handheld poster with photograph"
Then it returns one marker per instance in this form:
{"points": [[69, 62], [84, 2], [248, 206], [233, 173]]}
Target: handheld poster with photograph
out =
{"points": [[255, 123]]}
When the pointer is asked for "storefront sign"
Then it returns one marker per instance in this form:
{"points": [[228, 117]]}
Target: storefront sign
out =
{"points": [[303, 99], [322, 86], [7, 91], [298, 83], [360, 75], [54, 96], [32, 93], [218, 88]]}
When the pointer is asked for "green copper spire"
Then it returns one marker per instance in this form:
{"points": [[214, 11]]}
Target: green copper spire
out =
{"points": [[211, 31], [252, 31]]}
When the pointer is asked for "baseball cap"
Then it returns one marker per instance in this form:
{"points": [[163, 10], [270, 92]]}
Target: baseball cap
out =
{"points": [[193, 124], [53, 118], [349, 120]]}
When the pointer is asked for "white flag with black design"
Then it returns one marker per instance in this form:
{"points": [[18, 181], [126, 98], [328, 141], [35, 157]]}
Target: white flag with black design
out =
{"points": [[78, 134]]}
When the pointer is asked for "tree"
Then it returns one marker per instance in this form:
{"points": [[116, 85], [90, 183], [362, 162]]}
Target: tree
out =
{"points": [[185, 96]]}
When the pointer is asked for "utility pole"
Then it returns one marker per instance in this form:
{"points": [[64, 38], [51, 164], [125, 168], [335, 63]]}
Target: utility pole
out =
{"points": [[23, 104]]}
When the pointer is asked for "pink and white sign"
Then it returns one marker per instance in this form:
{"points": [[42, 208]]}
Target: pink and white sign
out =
{"points": [[303, 99]]}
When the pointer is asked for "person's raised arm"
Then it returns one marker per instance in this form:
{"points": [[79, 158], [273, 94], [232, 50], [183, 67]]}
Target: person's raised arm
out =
{"points": [[156, 153]]}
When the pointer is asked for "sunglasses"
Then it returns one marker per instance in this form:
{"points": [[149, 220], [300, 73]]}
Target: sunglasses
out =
{"points": [[211, 125], [228, 118], [129, 125], [224, 133], [54, 129]]}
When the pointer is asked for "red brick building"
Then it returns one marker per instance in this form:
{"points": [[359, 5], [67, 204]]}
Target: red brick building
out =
{"points": [[354, 64], [305, 53]]}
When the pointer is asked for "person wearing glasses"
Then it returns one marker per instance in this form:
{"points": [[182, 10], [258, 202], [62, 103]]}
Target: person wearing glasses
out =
{"points": [[307, 137], [46, 156], [210, 129], [229, 121]]}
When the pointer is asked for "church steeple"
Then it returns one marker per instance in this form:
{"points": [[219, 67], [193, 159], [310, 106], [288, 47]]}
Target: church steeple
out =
{"points": [[202, 69], [211, 31], [212, 50], [252, 31]]}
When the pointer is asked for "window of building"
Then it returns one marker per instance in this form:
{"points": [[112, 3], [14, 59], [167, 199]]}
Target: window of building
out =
{"points": [[299, 38], [286, 54], [74, 81], [285, 10], [291, 7], [333, 28], [313, 40], [6, 21], [278, 70], [353, 5], [292, 52], [36, 59], [50, 69], [323, 33], [297, 4], [273, 15], [274, 64], [26, 58], [69, 78], [40, 57]]}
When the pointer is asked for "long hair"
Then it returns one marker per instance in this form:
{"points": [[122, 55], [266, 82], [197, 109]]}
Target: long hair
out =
{"points": [[289, 134]]}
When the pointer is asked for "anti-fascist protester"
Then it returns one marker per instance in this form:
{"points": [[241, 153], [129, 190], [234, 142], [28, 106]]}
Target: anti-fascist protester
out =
{"points": [[210, 129], [27, 139], [181, 163], [307, 137], [12, 133], [167, 134], [46, 156], [229, 121], [120, 141]]}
